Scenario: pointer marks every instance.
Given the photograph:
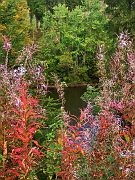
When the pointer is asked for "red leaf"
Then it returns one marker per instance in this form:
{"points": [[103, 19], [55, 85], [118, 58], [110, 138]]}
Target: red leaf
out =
{"points": [[32, 130], [20, 130], [35, 151], [82, 116], [13, 171], [29, 114], [17, 150], [16, 157], [35, 142], [33, 101], [33, 124], [20, 163], [15, 111], [39, 116], [22, 138]]}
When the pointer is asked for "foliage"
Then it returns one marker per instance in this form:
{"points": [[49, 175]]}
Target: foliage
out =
{"points": [[104, 160], [72, 148], [15, 24], [19, 114], [18, 136], [116, 120], [73, 35], [48, 138], [119, 87], [52, 141], [91, 95], [37, 138], [106, 140], [121, 14], [37, 8], [21, 118]]}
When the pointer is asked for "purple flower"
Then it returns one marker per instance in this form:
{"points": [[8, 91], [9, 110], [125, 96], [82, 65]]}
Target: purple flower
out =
{"points": [[19, 72], [123, 40], [7, 44]]}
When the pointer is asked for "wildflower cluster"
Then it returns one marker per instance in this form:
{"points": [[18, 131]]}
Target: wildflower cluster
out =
{"points": [[94, 146], [118, 102], [19, 114], [101, 146]]}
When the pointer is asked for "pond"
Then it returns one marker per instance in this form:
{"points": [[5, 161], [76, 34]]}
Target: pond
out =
{"points": [[73, 101]]}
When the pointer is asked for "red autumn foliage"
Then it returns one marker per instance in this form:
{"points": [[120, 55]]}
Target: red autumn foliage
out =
{"points": [[72, 143], [23, 151]]}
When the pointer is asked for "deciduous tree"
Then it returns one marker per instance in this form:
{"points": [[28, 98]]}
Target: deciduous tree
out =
{"points": [[15, 24]]}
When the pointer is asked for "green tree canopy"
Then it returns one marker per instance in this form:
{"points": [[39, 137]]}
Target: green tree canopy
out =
{"points": [[15, 24], [70, 40], [122, 15], [38, 8]]}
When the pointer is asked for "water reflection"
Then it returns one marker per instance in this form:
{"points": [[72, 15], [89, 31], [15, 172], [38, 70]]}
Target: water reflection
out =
{"points": [[72, 95]]}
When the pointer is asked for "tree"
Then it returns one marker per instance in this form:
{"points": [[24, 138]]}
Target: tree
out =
{"points": [[71, 4], [70, 40], [122, 15], [37, 9], [15, 24]]}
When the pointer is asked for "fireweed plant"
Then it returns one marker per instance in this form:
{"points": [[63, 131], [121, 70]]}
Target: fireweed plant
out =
{"points": [[112, 153], [78, 137], [94, 146], [19, 114], [102, 146], [29, 77]]}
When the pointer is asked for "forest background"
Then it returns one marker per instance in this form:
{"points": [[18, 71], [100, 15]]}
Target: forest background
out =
{"points": [[68, 33]]}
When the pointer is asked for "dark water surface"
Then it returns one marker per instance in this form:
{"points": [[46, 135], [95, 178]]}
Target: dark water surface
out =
{"points": [[73, 101]]}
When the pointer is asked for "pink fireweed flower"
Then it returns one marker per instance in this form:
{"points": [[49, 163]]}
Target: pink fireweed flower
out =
{"points": [[131, 63], [117, 105], [124, 40], [7, 44]]}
